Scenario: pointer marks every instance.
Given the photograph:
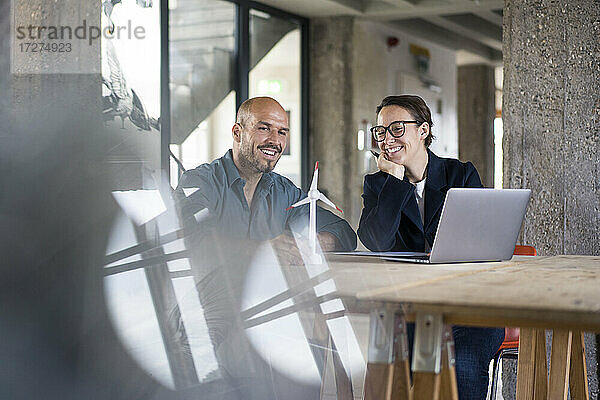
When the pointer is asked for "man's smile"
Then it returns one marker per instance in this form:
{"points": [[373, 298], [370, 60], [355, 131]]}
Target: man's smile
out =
{"points": [[270, 152]]}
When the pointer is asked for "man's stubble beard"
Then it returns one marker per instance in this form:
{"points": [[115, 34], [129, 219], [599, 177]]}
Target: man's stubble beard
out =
{"points": [[249, 162]]}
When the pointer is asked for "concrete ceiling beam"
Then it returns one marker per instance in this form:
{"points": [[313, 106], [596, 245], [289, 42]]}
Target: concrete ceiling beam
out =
{"points": [[355, 6], [395, 3], [479, 25], [490, 17], [381, 9], [447, 38], [473, 34]]}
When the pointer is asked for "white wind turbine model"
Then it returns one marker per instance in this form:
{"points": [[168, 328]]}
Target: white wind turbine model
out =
{"points": [[313, 196]]}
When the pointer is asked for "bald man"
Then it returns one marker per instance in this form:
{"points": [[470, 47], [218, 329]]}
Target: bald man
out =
{"points": [[245, 199]]}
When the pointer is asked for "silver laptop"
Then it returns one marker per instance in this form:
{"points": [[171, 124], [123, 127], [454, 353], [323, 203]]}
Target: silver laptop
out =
{"points": [[475, 225]]}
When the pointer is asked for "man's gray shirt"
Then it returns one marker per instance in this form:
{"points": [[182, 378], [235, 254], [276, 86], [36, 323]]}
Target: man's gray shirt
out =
{"points": [[213, 195]]}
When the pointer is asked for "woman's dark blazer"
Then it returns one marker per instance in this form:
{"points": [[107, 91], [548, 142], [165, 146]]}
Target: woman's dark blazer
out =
{"points": [[390, 219]]}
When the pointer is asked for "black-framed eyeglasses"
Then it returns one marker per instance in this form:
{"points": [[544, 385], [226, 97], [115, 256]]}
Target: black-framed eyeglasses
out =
{"points": [[396, 129]]}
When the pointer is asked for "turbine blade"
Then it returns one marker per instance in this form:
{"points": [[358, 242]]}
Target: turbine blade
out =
{"points": [[328, 202], [305, 200], [315, 179]]}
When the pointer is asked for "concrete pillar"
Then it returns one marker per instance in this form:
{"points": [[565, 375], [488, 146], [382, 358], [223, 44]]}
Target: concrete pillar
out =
{"points": [[551, 111], [476, 112], [552, 120], [331, 124]]}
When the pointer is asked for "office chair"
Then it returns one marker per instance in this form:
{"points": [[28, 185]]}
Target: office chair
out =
{"points": [[509, 349]]}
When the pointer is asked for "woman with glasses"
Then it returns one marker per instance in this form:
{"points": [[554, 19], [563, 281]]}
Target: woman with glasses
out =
{"points": [[402, 206]]}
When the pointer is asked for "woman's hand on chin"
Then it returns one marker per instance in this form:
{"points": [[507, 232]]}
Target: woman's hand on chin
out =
{"points": [[390, 167]]}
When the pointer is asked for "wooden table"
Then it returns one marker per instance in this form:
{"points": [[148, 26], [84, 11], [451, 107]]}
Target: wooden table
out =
{"points": [[560, 293]]}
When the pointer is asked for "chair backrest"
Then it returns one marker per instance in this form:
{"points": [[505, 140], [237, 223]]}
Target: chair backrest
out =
{"points": [[524, 250]]}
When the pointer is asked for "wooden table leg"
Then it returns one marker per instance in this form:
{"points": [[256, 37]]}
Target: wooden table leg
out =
{"points": [[541, 366], [578, 372], [526, 364], [401, 381], [378, 381], [426, 386], [449, 388], [531, 366], [401, 377], [560, 361]]}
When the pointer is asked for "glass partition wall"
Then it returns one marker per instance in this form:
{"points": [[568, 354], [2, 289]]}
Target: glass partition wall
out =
{"points": [[206, 59], [221, 53]]}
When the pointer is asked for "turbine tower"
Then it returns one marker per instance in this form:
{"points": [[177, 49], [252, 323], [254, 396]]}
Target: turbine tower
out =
{"points": [[311, 199]]}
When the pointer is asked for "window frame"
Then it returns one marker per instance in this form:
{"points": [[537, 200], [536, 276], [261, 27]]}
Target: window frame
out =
{"points": [[241, 75]]}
